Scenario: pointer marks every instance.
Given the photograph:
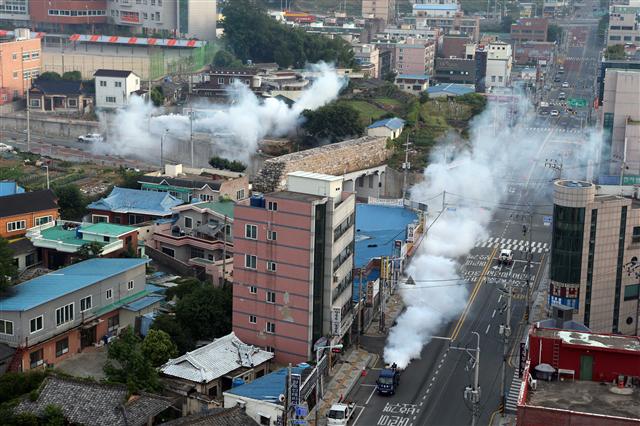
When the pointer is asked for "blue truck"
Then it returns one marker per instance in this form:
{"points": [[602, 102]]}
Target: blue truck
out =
{"points": [[388, 380]]}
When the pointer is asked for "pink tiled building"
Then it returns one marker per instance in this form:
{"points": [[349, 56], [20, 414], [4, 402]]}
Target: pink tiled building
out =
{"points": [[293, 261], [415, 56]]}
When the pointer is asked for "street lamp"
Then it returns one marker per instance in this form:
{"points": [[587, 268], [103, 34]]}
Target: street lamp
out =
{"points": [[46, 166], [166, 131], [318, 398]]}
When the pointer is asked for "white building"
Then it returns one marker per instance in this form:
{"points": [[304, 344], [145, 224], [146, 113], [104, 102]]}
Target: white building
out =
{"points": [[624, 24], [499, 63], [114, 88], [389, 128]]}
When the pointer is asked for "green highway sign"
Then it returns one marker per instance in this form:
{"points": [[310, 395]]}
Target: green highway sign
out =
{"points": [[576, 102]]}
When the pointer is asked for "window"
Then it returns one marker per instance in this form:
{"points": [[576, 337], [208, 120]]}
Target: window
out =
{"points": [[36, 324], [188, 222], [272, 205], [109, 294], [253, 289], [98, 218], [264, 420], [64, 314], [113, 322], [44, 219], [16, 226], [272, 235], [15, 74], [271, 327], [6, 327], [110, 99], [271, 266], [252, 319], [72, 102], [130, 285], [250, 261], [25, 56], [240, 194], [85, 304], [14, 56], [220, 80], [197, 252], [118, 84], [251, 231], [271, 296], [103, 83], [35, 55], [636, 235], [62, 346], [36, 358], [630, 292], [144, 15], [168, 251]]}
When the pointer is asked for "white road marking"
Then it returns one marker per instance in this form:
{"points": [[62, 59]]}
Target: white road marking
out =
{"points": [[370, 396], [358, 416], [487, 330], [493, 314]]}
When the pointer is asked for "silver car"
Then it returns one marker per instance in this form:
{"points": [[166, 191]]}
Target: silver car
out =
{"points": [[90, 138]]}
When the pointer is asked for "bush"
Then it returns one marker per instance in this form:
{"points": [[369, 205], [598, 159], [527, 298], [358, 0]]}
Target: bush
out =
{"points": [[14, 385], [224, 164]]}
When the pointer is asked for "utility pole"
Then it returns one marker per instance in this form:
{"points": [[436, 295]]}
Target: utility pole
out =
{"points": [[224, 252], [529, 256], [444, 195], [505, 330], [162, 150], [28, 120], [191, 134], [405, 167], [383, 284]]}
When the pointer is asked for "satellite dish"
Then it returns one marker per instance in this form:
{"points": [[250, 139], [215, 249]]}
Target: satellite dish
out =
{"points": [[281, 398]]}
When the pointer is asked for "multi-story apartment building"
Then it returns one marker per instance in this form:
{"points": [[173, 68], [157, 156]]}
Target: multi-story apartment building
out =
{"points": [[529, 29], [186, 18], [499, 64], [595, 244], [447, 17], [293, 261], [624, 24], [415, 56], [20, 212], [620, 119], [67, 15], [52, 317], [368, 55], [382, 9], [20, 63], [14, 12]]}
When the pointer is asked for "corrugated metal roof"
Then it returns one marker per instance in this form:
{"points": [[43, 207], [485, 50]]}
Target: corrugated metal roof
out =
{"points": [[143, 302], [126, 200], [435, 7], [216, 359], [51, 286], [413, 76], [137, 41], [454, 89], [266, 388], [394, 123], [9, 187], [317, 176]]}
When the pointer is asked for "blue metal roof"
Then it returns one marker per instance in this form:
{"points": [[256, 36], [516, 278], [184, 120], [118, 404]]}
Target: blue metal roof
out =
{"points": [[143, 302], [266, 388], [373, 275], [394, 123], [126, 200], [377, 227], [53, 285], [435, 7], [414, 76], [9, 187], [452, 88]]}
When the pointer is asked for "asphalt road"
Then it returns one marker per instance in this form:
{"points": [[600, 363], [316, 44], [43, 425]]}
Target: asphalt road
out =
{"points": [[431, 388]]}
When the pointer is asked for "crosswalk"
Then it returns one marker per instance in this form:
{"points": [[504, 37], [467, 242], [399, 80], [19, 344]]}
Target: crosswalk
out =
{"points": [[514, 390], [548, 129], [513, 244]]}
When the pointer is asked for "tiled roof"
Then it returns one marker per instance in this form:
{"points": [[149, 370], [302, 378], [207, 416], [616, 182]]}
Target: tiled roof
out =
{"points": [[193, 182], [27, 202], [51, 286], [112, 73], [58, 87], [235, 416], [96, 404], [216, 359], [125, 200], [391, 123]]}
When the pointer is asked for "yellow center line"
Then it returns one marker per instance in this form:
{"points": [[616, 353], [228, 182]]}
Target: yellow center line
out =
{"points": [[473, 295]]}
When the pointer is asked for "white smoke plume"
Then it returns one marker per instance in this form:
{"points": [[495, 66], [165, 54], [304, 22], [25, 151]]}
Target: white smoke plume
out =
{"points": [[475, 181], [235, 129]]}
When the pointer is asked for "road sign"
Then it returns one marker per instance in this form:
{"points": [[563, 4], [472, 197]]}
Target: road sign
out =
{"points": [[577, 102], [301, 411], [547, 220]]}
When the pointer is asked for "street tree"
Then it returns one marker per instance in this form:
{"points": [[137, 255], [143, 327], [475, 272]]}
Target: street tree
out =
{"points": [[8, 269], [126, 363], [158, 347]]}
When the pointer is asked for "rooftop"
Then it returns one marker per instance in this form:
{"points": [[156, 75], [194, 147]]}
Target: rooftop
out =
{"points": [[186, 181], [585, 396], [88, 403], [56, 284], [235, 416], [435, 7], [377, 227], [601, 341], [73, 235], [215, 360], [452, 88], [112, 73], [394, 123], [295, 196], [57, 87], [27, 202], [267, 388], [316, 176], [125, 200], [412, 76], [9, 187]]}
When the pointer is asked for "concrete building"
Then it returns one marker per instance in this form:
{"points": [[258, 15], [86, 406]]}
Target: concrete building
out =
{"points": [[196, 19], [382, 9], [454, 46], [620, 118], [293, 260], [368, 55], [624, 25], [448, 18], [412, 83], [22, 211], [455, 70], [115, 87], [64, 16], [389, 128], [499, 64], [415, 56], [217, 81], [20, 63], [529, 29], [593, 380], [534, 52], [15, 12], [595, 237]]}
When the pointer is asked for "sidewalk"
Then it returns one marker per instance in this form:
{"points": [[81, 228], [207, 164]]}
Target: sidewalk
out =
{"points": [[394, 308]]}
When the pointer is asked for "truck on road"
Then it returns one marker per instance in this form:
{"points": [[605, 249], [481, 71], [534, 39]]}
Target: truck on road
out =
{"points": [[340, 414], [388, 380]]}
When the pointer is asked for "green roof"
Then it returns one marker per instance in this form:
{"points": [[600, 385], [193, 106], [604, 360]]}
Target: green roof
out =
{"points": [[125, 300], [67, 236], [146, 185], [225, 208], [108, 229]]}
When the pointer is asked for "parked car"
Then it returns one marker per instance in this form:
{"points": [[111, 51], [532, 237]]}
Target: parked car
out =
{"points": [[90, 138], [565, 85], [555, 113], [562, 96], [5, 148]]}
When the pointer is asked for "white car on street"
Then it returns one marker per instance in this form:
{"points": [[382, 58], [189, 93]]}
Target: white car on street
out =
{"points": [[555, 113], [565, 85], [90, 138], [5, 148]]}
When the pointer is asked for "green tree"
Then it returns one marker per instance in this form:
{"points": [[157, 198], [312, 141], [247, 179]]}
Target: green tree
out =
{"points": [[72, 75], [126, 363], [49, 76], [223, 163], [615, 52], [53, 416], [554, 33], [130, 178], [224, 58], [89, 250], [206, 312], [390, 76], [71, 202], [158, 347], [157, 96], [8, 269], [476, 101], [13, 384], [333, 122], [178, 334]]}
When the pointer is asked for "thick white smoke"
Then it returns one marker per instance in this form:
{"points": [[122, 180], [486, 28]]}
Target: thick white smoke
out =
{"points": [[235, 129], [475, 180]]}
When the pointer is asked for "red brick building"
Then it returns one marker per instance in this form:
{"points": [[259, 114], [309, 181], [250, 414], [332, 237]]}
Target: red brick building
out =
{"points": [[62, 14], [529, 29]]}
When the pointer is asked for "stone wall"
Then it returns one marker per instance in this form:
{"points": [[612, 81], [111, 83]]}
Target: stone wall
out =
{"points": [[334, 159]]}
